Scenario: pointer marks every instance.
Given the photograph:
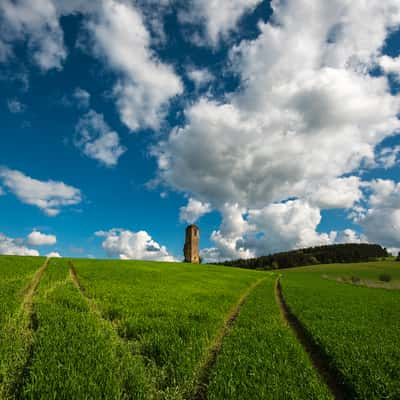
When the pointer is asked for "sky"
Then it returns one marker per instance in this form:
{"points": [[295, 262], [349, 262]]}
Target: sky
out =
{"points": [[272, 125]]}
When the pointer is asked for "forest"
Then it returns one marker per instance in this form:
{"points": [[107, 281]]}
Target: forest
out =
{"points": [[332, 254]]}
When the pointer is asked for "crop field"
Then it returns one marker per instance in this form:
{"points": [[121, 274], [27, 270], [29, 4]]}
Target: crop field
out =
{"points": [[364, 274], [356, 327], [261, 358], [110, 329], [15, 274], [170, 314]]}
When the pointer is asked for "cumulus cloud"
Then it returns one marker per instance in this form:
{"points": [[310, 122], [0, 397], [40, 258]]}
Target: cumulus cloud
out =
{"points": [[36, 238], [200, 77], [146, 84], [390, 65], [96, 140], [54, 254], [381, 221], [351, 236], [193, 211], [126, 244], [387, 157], [288, 225], [229, 239], [49, 196], [308, 113], [15, 247], [338, 193], [37, 22], [15, 106], [82, 97], [219, 17], [276, 227]]}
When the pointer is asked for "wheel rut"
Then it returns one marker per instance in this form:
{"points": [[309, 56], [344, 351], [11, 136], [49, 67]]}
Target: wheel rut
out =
{"points": [[30, 290], [75, 280], [205, 369], [320, 361], [21, 330]]}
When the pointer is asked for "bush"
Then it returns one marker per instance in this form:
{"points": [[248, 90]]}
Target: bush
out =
{"points": [[385, 277]]}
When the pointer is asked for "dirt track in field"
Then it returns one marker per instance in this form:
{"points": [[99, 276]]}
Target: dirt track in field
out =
{"points": [[30, 290], [22, 327], [206, 367], [77, 283], [329, 374]]}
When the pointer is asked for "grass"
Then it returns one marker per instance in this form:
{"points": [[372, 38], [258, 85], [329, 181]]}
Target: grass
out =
{"points": [[15, 334], [148, 330], [262, 359], [169, 312], [365, 274], [75, 354], [15, 274], [357, 327]]}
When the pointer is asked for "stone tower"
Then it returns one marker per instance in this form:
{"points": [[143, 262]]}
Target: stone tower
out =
{"points": [[191, 248]]}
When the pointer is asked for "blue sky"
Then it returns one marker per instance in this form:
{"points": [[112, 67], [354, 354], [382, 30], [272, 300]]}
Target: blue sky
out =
{"points": [[272, 126]]}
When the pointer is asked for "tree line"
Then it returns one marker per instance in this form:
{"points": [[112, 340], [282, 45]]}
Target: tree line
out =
{"points": [[336, 253]]}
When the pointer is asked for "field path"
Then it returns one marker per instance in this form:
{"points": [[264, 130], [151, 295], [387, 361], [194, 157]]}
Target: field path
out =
{"points": [[29, 291], [200, 392], [331, 376], [18, 339], [75, 280]]}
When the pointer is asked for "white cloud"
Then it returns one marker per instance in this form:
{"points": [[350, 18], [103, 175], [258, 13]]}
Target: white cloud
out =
{"points": [[394, 251], [126, 244], [229, 239], [82, 97], [390, 65], [200, 77], [36, 238], [96, 140], [338, 193], [193, 211], [387, 157], [276, 227], [288, 225], [385, 193], [54, 254], [220, 17], [350, 236], [15, 247], [146, 84], [307, 114], [381, 221], [15, 106], [49, 196], [37, 22]]}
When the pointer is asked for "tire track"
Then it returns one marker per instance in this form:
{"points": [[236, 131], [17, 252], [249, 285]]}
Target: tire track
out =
{"points": [[319, 359], [120, 343], [205, 369], [30, 290], [18, 337], [75, 280]]}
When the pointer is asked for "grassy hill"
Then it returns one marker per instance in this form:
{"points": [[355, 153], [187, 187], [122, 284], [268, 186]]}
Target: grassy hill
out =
{"points": [[91, 329]]}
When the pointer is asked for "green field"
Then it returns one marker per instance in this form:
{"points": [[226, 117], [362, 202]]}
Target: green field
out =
{"points": [[357, 327], [107, 329]]}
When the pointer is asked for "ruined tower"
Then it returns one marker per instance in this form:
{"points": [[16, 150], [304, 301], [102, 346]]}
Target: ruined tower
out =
{"points": [[191, 248]]}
